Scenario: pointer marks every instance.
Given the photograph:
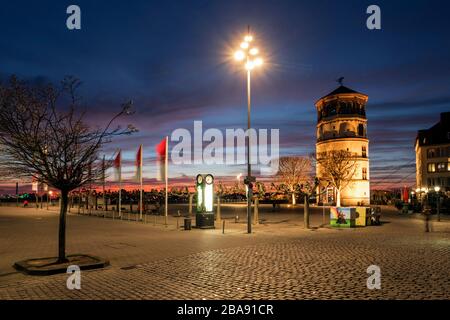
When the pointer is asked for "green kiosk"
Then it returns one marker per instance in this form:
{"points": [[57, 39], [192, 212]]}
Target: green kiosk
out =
{"points": [[204, 218]]}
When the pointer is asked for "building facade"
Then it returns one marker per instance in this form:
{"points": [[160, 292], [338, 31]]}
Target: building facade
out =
{"points": [[433, 155], [342, 125]]}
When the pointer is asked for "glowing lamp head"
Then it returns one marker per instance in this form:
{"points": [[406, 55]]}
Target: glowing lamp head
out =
{"points": [[249, 65], [254, 51], [239, 55], [418, 190], [244, 45], [437, 188], [248, 38]]}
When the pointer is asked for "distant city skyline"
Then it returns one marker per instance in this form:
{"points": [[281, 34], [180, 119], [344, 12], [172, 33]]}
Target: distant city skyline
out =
{"points": [[174, 60]]}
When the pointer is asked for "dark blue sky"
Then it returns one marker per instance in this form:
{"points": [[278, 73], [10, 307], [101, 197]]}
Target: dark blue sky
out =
{"points": [[172, 58]]}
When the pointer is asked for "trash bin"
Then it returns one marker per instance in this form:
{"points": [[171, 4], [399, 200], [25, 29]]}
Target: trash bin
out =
{"points": [[187, 223]]}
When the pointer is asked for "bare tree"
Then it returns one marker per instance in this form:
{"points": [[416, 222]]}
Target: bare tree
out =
{"points": [[41, 138], [293, 172], [337, 167]]}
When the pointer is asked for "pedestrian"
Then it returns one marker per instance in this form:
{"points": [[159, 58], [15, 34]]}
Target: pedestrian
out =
{"points": [[427, 213]]}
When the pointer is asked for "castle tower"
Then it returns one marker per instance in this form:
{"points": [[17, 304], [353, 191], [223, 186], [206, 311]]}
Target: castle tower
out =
{"points": [[342, 125]]}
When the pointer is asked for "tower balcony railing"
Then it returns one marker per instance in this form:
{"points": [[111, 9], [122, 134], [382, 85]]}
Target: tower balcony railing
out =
{"points": [[328, 117], [346, 134]]}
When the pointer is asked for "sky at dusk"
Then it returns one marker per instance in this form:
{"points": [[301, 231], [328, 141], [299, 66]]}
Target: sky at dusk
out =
{"points": [[173, 58]]}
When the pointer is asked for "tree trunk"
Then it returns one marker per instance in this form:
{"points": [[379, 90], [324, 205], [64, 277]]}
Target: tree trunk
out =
{"points": [[294, 202], [306, 212], [62, 227], [338, 198]]}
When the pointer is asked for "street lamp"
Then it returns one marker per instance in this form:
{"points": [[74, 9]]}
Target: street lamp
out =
{"points": [[248, 54], [438, 200]]}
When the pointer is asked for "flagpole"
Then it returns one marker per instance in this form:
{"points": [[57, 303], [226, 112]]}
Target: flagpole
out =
{"points": [[103, 184], [120, 184], [166, 171], [140, 178]]}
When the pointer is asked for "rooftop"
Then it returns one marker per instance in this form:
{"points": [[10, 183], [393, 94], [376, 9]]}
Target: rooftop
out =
{"points": [[341, 90], [437, 134]]}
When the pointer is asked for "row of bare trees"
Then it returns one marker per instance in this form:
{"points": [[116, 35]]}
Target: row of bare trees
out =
{"points": [[336, 167]]}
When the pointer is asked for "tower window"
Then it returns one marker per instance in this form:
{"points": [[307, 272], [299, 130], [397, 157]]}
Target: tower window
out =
{"points": [[364, 152], [360, 129], [364, 173]]}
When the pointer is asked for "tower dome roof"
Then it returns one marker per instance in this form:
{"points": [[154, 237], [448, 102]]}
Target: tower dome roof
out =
{"points": [[341, 90]]}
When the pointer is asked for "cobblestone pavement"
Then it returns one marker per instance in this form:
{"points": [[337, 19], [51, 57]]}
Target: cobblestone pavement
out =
{"points": [[280, 261]]}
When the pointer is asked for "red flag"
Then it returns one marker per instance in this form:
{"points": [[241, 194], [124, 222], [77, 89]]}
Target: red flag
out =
{"points": [[138, 163], [405, 194], [161, 149]]}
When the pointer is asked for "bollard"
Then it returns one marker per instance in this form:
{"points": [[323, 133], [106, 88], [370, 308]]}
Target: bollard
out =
{"points": [[256, 212], [223, 227], [154, 221], [218, 214], [178, 226], [323, 215], [236, 219]]}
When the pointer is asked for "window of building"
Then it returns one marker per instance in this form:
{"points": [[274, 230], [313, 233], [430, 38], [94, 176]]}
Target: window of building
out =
{"points": [[364, 173], [431, 167], [364, 152], [442, 166], [360, 130], [431, 153]]}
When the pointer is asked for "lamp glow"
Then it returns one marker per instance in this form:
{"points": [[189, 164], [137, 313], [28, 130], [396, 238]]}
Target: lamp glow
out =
{"points": [[258, 61], [254, 51], [437, 188], [239, 55], [249, 65], [248, 38], [244, 45]]}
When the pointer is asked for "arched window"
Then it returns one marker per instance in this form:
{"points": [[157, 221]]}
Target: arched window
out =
{"points": [[360, 130]]}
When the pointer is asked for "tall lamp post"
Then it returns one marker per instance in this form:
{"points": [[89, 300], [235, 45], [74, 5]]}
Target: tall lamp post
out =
{"points": [[248, 54], [438, 200]]}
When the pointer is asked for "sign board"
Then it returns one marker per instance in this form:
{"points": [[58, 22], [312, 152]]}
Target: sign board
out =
{"points": [[361, 215], [342, 217]]}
